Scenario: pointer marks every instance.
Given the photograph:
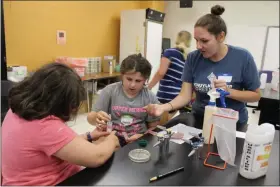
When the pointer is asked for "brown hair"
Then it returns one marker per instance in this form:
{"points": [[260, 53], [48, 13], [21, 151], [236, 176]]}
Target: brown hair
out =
{"points": [[54, 89], [136, 63], [213, 22]]}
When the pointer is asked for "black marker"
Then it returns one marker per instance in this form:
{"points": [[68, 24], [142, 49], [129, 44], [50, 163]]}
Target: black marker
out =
{"points": [[166, 174]]}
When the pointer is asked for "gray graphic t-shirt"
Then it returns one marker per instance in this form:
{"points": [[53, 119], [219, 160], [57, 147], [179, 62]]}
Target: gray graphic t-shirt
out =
{"points": [[127, 114]]}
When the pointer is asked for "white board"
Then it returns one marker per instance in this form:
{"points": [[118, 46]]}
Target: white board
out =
{"points": [[251, 38], [271, 54], [153, 47]]}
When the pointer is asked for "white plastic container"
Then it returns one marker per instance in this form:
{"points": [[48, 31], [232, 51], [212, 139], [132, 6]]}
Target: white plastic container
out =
{"points": [[256, 150], [263, 80]]}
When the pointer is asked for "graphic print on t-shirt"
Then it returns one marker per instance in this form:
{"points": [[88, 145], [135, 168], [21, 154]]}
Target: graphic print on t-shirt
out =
{"points": [[130, 119], [204, 88], [126, 120]]}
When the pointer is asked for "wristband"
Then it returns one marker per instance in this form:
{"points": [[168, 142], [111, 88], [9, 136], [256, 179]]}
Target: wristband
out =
{"points": [[171, 107], [89, 138]]}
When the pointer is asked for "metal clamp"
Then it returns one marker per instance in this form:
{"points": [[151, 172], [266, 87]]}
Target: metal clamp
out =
{"points": [[163, 142], [196, 145]]}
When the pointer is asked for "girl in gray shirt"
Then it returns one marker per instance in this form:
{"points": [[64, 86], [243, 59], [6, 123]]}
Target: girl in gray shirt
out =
{"points": [[124, 101]]}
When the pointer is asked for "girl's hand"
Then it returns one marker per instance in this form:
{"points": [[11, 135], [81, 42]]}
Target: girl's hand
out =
{"points": [[96, 134], [101, 120]]}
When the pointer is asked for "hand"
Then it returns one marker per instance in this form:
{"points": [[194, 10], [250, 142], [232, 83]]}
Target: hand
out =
{"points": [[96, 134], [154, 109], [221, 84], [112, 137], [133, 138], [101, 120]]}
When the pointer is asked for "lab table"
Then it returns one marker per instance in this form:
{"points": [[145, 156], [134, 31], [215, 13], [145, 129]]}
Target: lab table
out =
{"points": [[120, 170]]}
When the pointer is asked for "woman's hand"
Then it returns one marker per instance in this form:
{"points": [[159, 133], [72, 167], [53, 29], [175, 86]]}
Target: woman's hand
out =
{"points": [[221, 84], [101, 120], [154, 109], [96, 134], [133, 138]]}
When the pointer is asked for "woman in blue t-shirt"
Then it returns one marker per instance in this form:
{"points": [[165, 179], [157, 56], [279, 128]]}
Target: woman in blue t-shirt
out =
{"points": [[169, 74], [234, 70]]}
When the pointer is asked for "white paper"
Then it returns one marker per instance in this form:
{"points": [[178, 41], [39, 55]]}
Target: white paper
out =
{"points": [[183, 129], [240, 134]]}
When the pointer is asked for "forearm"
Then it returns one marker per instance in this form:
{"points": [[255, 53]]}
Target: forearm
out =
{"points": [[177, 103], [81, 152], [84, 136], [91, 118], [157, 77], [103, 152], [244, 96]]}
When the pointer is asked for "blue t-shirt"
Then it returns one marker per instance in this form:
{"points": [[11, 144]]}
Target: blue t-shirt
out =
{"points": [[170, 85], [238, 63]]}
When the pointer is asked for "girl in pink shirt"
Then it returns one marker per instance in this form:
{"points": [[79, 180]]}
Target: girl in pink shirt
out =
{"points": [[38, 148]]}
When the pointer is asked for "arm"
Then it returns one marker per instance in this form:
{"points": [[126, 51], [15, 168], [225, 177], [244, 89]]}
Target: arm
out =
{"points": [[181, 100], [164, 64], [84, 153], [184, 96], [57, 139], [95, 134], [245, 96]]}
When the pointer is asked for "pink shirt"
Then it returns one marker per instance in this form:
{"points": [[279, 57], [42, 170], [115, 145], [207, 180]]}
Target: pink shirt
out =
{"points": [[27, 149]]}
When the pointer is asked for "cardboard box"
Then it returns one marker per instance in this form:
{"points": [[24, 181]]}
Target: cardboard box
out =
{"points": [[106, 63]]}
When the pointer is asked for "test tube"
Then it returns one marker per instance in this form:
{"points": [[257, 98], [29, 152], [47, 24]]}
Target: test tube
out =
{"points": [[109, 125]]}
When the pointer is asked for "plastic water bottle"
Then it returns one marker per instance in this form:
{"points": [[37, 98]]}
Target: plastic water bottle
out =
{"points": [[256, 150], [110, 67]]}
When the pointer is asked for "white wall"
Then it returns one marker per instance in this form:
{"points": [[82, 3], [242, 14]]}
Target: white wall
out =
{"points": [[243, 13]]}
